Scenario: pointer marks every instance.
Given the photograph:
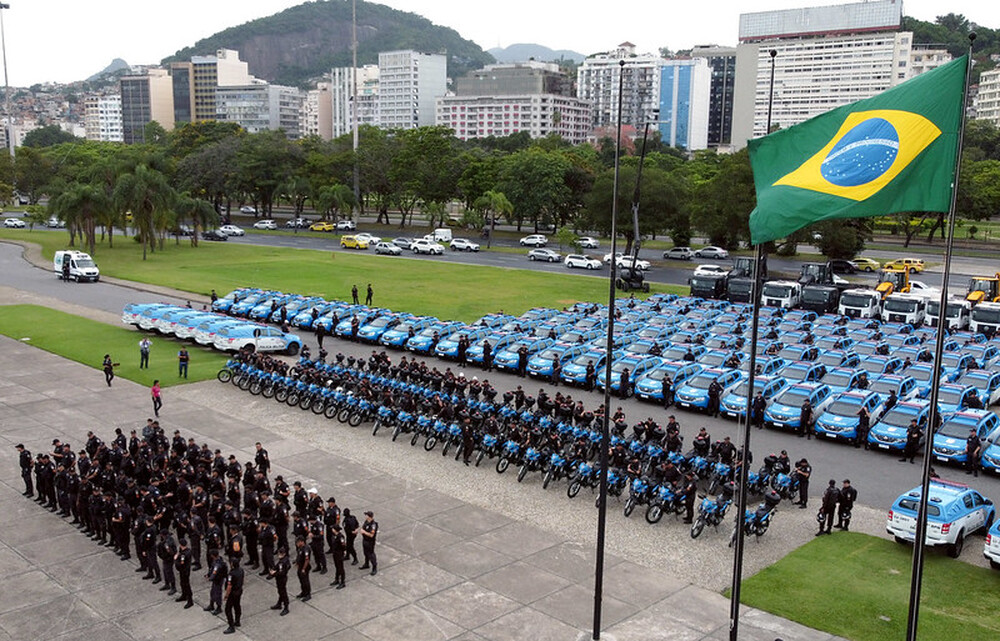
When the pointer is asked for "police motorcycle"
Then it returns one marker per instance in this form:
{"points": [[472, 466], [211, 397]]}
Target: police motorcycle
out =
{"points": [[712, 511], [755, 522], [665, 499]]}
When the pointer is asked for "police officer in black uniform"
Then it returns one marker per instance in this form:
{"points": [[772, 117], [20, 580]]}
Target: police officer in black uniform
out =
{"points": [[218, 572], [182, 562], [316, 534], [690, 493], [303, 565], [848, 495], [338, 548], [234, 592], [802, 472], [280, 574], [369, 532], [25, 462], [973, 448], [912, 442], [831, 497], [351, 533]]}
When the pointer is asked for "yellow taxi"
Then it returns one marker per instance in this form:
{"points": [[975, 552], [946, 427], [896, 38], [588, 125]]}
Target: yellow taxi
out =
{"points": [[905, 264], [321, 226], [353, 242]]}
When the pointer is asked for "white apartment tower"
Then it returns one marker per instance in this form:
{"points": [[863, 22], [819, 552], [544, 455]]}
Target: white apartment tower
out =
{"points": [[597, 83], [409, 84], [102, 118], [826, 57], [316, 117], [988, 99], [342, 95]]}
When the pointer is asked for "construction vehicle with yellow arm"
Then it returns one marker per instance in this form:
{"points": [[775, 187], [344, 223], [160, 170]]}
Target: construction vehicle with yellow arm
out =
{"points": [[984, 288]]}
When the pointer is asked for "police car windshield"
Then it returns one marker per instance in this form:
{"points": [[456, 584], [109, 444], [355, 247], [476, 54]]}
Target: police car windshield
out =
{"points": [[897, 417], [838, 379], [583, 359], [951, 396], [795, 373], [570, 337], [956, 428], [920, 374], [884, 387], [793, 396], [844, 407], [381, 321], [639, 347], [550, 354], [428, 331], [702, 381], [714, 359], [675, 353]]}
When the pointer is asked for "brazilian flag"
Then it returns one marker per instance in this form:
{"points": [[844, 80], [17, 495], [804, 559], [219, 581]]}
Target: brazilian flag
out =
{"points": [[894, 152]]}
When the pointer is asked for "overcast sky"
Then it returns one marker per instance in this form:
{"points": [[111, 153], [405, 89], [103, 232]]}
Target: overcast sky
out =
{"points": [[67, 40]]}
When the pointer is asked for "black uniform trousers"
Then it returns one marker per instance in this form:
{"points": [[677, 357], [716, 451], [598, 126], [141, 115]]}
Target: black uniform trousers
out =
{"points": [[234, 610]]}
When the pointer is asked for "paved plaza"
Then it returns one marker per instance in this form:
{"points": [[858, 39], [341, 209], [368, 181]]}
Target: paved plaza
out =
{"points": [[449, 569]]}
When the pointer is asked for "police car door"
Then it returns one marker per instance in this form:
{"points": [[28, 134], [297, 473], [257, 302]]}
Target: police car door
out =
{"points": [[270, 340], [975, 516]]}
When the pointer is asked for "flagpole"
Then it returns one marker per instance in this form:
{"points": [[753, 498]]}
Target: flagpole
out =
{"points": [[919, 544], [602, 504], [741, 482]]}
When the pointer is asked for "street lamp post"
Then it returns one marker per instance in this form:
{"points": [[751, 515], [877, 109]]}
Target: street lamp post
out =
{"points": [[6, 84]]}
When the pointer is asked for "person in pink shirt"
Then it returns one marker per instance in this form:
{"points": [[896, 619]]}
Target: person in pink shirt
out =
{"points": [[157, 400]]}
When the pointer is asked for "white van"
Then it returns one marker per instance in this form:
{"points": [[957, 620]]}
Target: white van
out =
{"points": [[442, 235], [860, 303], [81, 266]]}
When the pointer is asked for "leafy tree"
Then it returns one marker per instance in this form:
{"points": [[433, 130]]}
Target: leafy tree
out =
{"points": [[376, 149], [47, 137], [198, 211], [35, 215], [660, 207], [492, 205], [842, 238], [534, 182], [979, 189], [191, 137], [32, 171], [211, 173], [566, 237], [426, 166], [265, 161], [721, 204], [334, 199]]}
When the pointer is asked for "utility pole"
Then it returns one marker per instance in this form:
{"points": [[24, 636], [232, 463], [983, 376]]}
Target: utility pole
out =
{"points": [[354, 101], [6, 84]]}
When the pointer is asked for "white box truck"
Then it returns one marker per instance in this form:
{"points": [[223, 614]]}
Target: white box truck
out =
{"points": [[781, 293], [904, 308], [74, 265], [860, 303]]}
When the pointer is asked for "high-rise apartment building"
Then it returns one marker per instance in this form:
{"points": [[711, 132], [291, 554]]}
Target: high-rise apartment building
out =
{"points": [[409, 84], [145, 99], [342, 96], [826, 57], [261, 106], [102, 118], [722, 62], [224, 69], [685, 93], [924, 58], [597, 83], [987, 102], [317, 116]]}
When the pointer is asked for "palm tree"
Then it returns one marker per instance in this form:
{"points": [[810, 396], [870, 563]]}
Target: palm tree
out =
{"points": [[199, 211], [146, 193], [493, 203], [79, 206], [334, 198]]}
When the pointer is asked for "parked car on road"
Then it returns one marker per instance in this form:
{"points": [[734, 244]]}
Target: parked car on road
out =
{"points": [[547, 255], [247, 209], [265, 224], [866, 264], [346, 225], [712, 252], [321, 226], [463, 244], [15, 223], [370, 239], [213, 234], [388, 249], [581, 261], [710, 270], [534, 240], [424, 246], [353, 242], [679, 253], [232, 230]]}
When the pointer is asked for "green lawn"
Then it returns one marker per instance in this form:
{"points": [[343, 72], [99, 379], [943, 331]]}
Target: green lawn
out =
{"points": [[446, 290], [857, 586], [86, 341]]}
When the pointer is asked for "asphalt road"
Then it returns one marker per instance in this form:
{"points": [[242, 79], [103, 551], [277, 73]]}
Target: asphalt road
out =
{"points": [[663, 271], [878, 477]]}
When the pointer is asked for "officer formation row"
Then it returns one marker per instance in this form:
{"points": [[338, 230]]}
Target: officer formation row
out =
{"points": [[169, 499]]}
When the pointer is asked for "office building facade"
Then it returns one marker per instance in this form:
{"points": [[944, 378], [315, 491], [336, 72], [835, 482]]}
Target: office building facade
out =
{"points": [[685, 93], [224, 69], [342, 96], [144, 99], [722, 62], [102, 118], [987, 102], [261, 106], [515, 79], [826, 57]]}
